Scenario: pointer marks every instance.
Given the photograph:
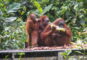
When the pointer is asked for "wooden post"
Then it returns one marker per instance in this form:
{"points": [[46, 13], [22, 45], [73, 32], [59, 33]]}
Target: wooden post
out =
{"points": [[13, 56], [60, 57]]}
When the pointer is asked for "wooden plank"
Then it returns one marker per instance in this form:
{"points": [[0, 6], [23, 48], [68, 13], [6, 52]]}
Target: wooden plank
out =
{"points": [[24, 50], [43, 50]]}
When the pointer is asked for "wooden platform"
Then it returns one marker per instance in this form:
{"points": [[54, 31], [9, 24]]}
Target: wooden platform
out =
{"points": [[29, 54]]}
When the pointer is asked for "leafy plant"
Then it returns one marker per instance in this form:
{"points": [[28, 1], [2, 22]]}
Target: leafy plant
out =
{"points": [[13, 7], [66, 54]]}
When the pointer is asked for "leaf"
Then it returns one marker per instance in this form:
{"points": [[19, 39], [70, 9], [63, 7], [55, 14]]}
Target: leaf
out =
{"points": [[85, 29], [21, 53], [46, 9], [68, 52], [79, 52], [7, 28], [38, 6], [82, 22], [10, 19], [64, 9], [13, 7], [74, 20], [80, 0], [2, 18], [45, 1], [76, 7], [1, 13]]}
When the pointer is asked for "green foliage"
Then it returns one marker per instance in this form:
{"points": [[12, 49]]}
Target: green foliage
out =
{"points": [[13, 14], [46, 9], [13, 7], [38, 6], [66, 54], [10, 19], [13, 36], [21, 54]]}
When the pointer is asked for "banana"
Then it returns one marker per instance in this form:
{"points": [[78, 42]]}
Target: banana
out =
{"points": [[57, 27]]}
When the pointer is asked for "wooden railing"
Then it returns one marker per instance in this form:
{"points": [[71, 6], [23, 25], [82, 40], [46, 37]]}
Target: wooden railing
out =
{"points": [[24, 54]]}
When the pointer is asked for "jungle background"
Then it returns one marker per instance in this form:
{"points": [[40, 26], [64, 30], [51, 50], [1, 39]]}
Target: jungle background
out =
{"points": [[13, 14]]}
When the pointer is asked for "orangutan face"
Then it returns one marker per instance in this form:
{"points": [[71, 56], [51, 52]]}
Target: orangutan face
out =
{"points": [[61, 23], [46, 21]]}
